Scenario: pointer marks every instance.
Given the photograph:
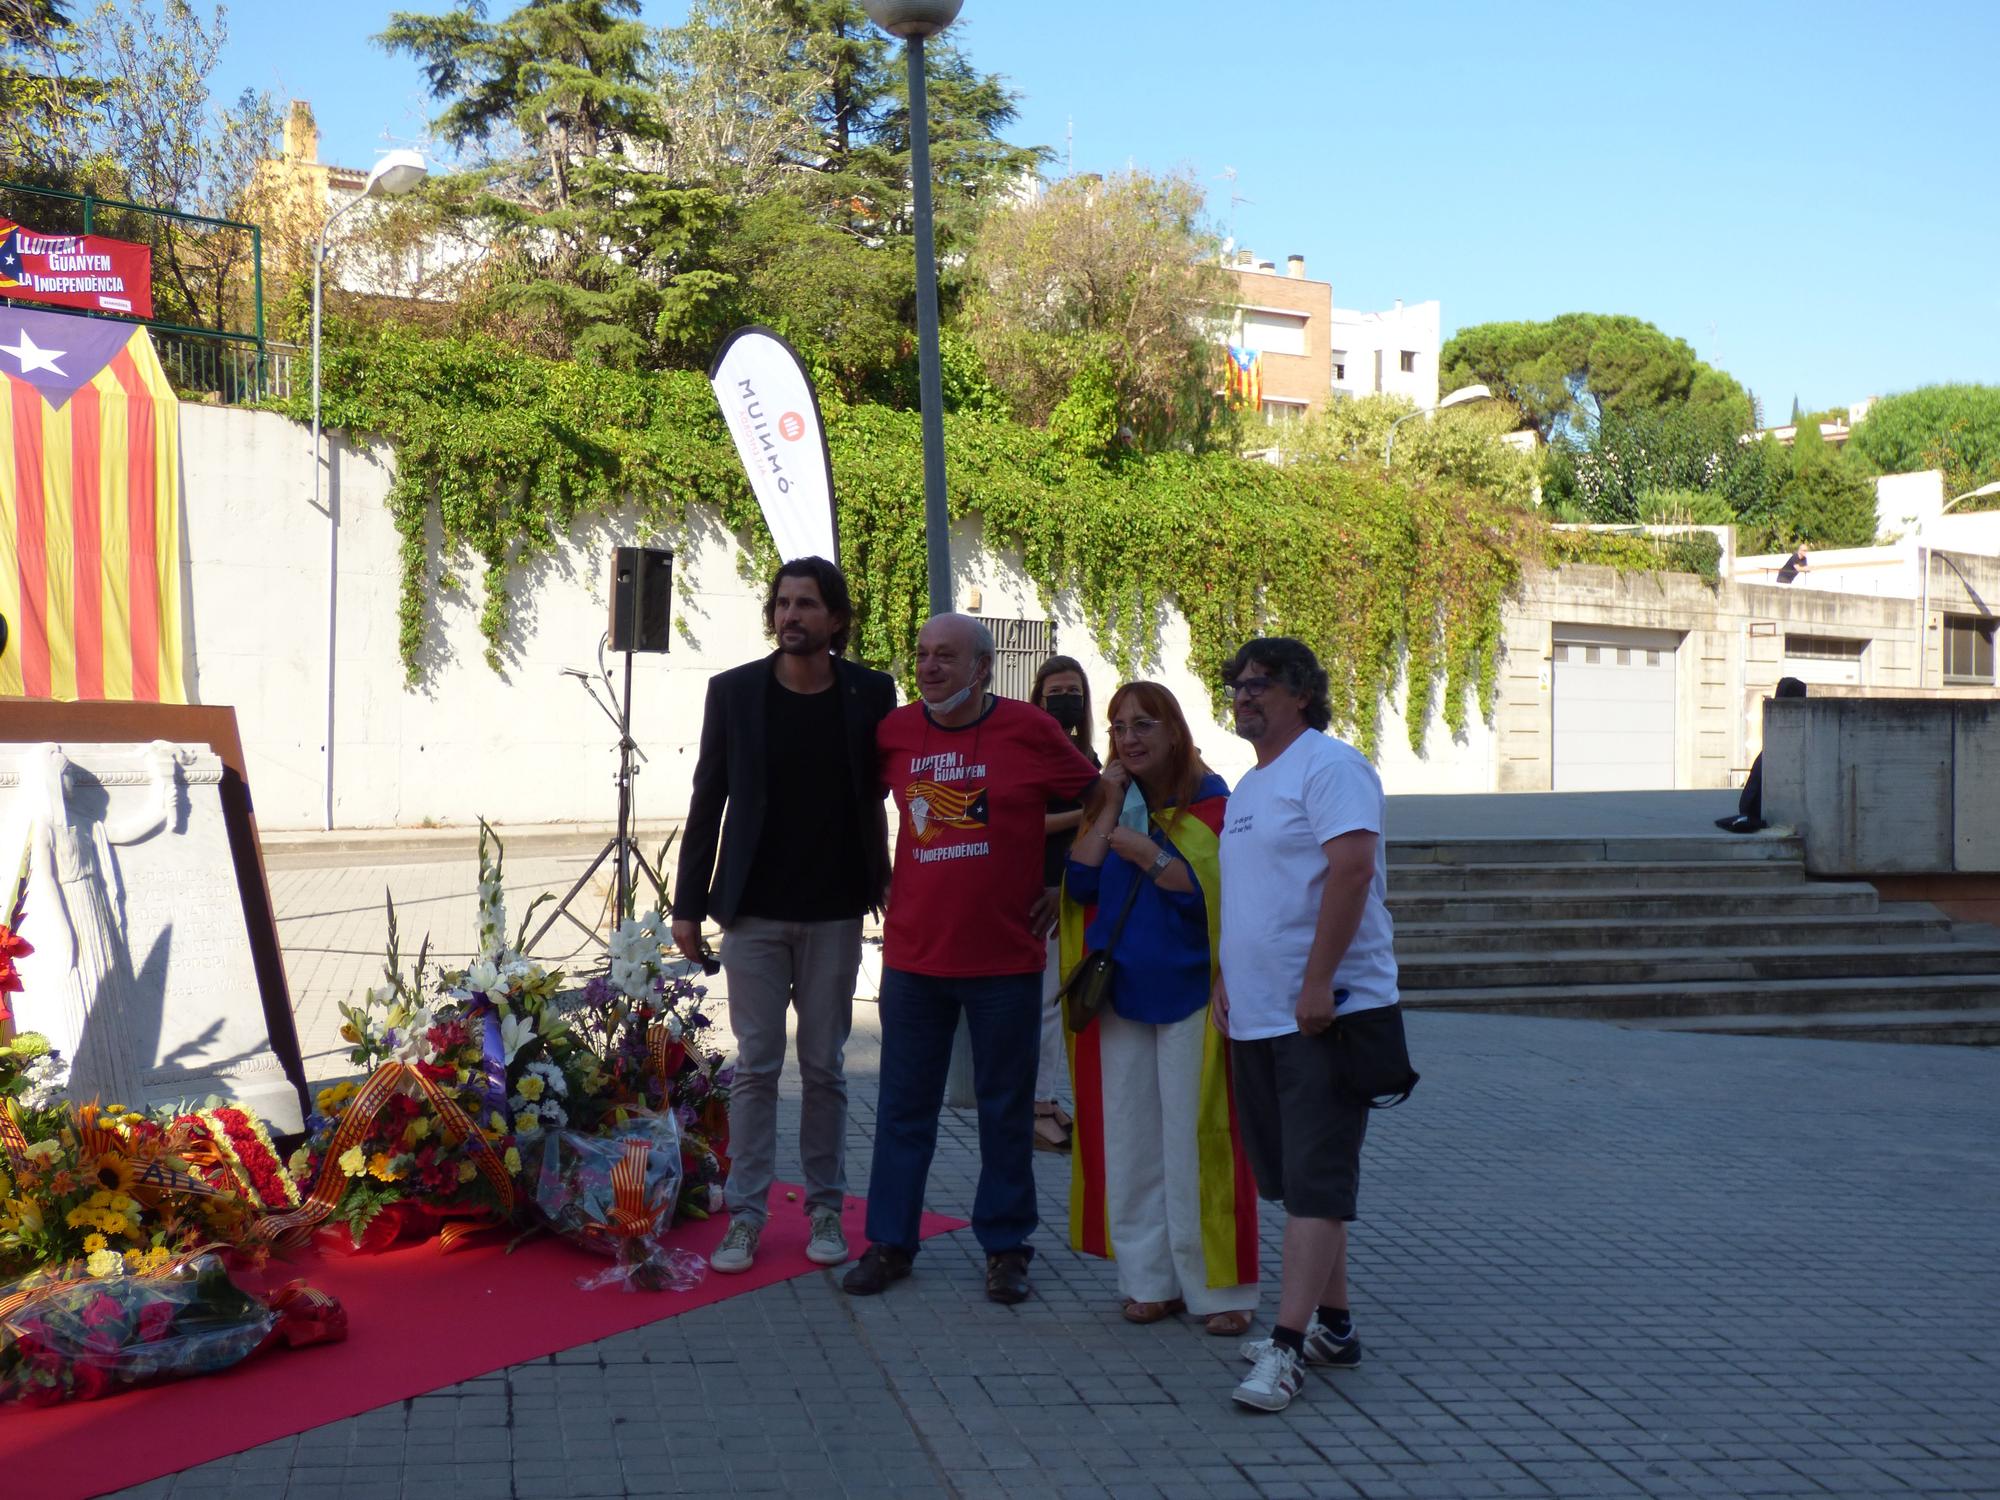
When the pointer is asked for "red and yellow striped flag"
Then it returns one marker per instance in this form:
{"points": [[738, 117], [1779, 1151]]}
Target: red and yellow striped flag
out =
{"points": [[89, 511]]}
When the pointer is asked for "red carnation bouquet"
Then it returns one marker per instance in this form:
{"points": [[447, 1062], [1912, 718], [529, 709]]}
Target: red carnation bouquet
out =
{"points": [[80, 1338]]}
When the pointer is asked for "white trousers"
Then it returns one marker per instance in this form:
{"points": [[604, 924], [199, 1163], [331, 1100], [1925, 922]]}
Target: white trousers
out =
{"points": [[1152, 1078]]}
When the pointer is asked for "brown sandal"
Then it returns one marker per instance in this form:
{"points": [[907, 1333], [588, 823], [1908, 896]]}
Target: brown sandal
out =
{"points": [[1228, 1325], [1052, 1126], [1153, 1312]]}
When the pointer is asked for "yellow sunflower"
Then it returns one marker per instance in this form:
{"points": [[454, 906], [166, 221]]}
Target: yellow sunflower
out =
{"points": [[112, 1172]]}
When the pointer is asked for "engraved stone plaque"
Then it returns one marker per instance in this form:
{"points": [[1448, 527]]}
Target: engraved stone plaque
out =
{"points": [[142, 973]]}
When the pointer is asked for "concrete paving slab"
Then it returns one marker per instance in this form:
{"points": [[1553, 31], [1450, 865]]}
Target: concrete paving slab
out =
{"points": [[1591, 1261]]}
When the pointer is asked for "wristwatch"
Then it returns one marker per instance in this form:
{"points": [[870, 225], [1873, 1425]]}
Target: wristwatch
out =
{"points": [[1159, 865]]}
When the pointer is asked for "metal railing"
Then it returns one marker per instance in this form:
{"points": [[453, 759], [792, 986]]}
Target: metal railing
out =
{"points": [[233, 373], [235, 367]]}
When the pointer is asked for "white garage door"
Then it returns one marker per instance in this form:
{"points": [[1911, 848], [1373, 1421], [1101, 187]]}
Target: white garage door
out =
{"points": [[1614, 708], [1822, 660]]}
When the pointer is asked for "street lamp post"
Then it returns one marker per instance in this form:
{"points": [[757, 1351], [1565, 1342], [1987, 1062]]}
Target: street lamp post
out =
{"points": [[395, 173], [913, 21], [1458, 397]]}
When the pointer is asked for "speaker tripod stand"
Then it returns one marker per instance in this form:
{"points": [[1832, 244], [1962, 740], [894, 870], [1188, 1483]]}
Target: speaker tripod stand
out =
{"points": [[622, 849]]}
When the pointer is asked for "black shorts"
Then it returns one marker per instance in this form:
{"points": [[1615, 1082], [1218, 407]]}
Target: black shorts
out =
{"points": [[1301, 1131]]}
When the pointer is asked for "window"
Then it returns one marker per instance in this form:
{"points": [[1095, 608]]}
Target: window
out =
{"points": [[1340, 364], [1409, 362], [1278, 413], [1274, 332], [1968, 649], [1824, 648], [1019, 647]]}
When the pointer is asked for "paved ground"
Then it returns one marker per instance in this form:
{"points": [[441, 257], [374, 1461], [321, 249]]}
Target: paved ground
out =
{"points": [[1593, 1262]]}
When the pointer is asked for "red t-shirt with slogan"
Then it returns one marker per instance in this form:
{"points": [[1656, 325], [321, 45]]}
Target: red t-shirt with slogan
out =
{"points": [[969, 852]]}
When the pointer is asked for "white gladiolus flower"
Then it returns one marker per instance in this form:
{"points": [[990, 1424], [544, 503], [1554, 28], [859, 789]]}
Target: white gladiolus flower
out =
{"points": [[483, 978], [515, 1033]]}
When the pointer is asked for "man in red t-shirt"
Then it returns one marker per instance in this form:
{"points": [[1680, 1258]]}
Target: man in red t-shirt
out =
{"points": [[972, 775]]}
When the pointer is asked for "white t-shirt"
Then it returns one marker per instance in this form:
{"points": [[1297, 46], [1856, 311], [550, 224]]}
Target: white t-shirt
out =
{"points": [[1274, 871]]}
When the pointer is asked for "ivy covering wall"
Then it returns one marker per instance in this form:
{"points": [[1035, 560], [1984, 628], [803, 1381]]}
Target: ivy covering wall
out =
{"points": [[501, 453]]}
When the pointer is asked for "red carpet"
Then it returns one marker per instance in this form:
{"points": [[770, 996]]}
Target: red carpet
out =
{"points": [[417, 1320]]}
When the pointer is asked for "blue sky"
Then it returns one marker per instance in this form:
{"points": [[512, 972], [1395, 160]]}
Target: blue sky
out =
{"points": [[1809, 194]]}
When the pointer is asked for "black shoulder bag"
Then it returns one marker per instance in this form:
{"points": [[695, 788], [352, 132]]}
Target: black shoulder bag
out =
{"points": [[1089, 983]]}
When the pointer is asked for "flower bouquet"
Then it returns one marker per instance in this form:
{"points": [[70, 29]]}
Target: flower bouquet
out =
{"points": [[77, 1339], [614, 1194], [111, 1190], [649, 1033]]}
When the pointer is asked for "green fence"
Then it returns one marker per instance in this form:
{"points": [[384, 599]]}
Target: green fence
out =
{"points": [[231, 366]]}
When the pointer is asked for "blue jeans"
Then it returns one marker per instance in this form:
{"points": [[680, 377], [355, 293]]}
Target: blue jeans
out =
{"points": [[919, 1015]]}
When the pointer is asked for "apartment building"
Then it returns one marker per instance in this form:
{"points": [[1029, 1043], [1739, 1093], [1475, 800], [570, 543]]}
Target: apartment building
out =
{"points": [[1309, 352]]}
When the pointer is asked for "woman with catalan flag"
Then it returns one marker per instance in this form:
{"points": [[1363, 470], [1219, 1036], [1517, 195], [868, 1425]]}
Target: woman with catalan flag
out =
{"points": [[1158, 1179]]}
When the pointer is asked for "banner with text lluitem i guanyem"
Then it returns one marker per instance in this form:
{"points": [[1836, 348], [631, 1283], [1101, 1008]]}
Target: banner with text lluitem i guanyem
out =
{"points": [[773, 416], [76, 270]]}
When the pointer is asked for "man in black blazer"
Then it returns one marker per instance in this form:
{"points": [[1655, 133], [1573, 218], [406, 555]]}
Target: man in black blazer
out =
{"points": [[786, 783]]}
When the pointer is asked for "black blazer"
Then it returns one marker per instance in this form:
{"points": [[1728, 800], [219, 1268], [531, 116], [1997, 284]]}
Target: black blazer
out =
{"points": [[730, 770]]}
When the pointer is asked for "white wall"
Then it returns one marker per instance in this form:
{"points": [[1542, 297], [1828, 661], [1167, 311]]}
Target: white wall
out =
{"points": [[525, 746], [1364, 334]]}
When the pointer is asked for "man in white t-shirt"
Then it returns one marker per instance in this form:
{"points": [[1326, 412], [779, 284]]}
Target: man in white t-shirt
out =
{"points": [[1305, 931]]}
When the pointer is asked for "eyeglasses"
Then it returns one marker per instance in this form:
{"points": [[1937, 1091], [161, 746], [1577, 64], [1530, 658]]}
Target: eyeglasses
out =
{"points": [[1141, 727], [1252, 688]]}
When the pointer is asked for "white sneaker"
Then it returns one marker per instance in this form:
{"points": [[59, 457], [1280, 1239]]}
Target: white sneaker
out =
{"points": [[1322, 1347], [738, 1248], [1272, 1381], [828, 1246]]}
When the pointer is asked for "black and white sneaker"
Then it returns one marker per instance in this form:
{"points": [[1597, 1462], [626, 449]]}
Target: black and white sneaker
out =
{"points": [[1324, 1349], [1273, 1380]]}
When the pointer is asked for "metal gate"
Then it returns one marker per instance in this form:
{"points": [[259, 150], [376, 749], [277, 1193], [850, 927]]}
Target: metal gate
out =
{"points": [[1020, 646]]}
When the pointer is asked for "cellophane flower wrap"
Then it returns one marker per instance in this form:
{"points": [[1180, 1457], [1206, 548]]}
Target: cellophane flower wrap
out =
{"points": [[614, 1194], [650, 1031], [76, 1340]]}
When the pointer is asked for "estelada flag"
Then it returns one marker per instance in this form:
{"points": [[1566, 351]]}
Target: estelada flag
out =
{"points": [[1243, 373], [89, 511]]}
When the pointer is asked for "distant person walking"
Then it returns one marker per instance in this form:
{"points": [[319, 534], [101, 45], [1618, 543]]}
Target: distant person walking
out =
{"points": [[1063, 691], [1157, 1179], [972, 774], [785, 786], [1750, 806], [1794, 565], [1306, 940]]}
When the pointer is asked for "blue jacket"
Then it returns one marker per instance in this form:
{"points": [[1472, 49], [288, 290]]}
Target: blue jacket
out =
{"points": [[1160, 968]]}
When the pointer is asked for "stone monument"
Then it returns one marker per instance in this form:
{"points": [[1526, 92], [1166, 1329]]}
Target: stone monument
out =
{"points": [[142, 974]]}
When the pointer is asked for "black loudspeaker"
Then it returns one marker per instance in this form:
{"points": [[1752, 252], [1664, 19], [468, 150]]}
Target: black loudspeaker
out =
{"points": [[642, 596]]}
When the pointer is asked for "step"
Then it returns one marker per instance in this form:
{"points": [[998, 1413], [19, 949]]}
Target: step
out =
{"points": [[1594, 968], [1593, 849], [1902, 922], [1964, 1028], [1719, 997], [1567, 874], [1537, 907]]}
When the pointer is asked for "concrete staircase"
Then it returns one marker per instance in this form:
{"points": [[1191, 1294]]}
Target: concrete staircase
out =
{"points": [[1699, 933]]}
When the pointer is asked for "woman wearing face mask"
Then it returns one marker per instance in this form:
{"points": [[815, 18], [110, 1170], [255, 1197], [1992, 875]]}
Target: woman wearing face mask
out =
{"points": [[1062, 691], [1155, 1175]]}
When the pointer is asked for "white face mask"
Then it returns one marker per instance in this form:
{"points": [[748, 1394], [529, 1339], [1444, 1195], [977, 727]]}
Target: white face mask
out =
{"points": [[951, 704]]}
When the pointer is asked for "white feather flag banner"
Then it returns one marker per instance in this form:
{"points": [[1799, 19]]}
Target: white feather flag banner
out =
{"points": [[767, 399]]}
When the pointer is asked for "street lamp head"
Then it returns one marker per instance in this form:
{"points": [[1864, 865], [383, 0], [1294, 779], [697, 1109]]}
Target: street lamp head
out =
{"points": [[1464, 394], [395, 174], [910, 19]]}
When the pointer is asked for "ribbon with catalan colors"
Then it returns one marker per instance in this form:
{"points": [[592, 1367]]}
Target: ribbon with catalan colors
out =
{"points": [[1228, 1194], [355, 1123]]}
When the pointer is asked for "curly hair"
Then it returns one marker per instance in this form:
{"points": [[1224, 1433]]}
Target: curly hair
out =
{"points": [[1293, 664]]}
